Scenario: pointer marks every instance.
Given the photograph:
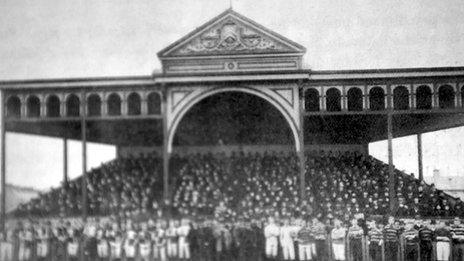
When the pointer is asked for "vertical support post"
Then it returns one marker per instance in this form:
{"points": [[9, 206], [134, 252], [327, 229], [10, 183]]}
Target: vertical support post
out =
{"points": [[166, 152], [391, 170], [419, 156], [65, 161], [301, 153], [2, 161], [84, 156]]}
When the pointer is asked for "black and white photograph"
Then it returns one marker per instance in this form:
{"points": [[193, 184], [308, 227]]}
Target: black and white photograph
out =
{"points": [[231, 130]]}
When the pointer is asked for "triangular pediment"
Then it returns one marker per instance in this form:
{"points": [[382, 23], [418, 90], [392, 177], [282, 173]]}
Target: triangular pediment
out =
{"points": [[231, 34]]}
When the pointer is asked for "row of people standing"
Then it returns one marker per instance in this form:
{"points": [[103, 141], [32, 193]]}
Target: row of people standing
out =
{"points": [[209, 240]]}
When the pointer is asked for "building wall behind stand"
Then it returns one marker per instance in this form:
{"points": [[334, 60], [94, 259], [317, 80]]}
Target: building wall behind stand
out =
{"points": [[183, 150]]}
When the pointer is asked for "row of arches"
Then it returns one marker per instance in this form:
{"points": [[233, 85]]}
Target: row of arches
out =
{"points": [[401, 98], [72, 105]]}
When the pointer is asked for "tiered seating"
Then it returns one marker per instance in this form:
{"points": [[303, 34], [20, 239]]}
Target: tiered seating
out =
{"points": [[248, 186]]}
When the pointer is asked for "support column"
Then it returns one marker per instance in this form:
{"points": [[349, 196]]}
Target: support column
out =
{"points": [[391, 170], [84, 156], [65, 161], [419, 156], [166, 152], [301, 153], [2, 161]]}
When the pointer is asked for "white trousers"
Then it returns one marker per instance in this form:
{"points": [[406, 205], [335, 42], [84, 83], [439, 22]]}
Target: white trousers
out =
{"points": [[288, 250], [306, 251], [116, 250], [129, 250], [72, 249], [443, 251], [184, 250], [24, 253], [172, 249], [6, 251], [144, 251], [42, 249], [339, 251], [102, 249], [271, 246]]}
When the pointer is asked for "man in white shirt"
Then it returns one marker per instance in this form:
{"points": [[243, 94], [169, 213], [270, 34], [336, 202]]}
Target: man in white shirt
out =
{"points": [[182, 232], [287, 233], [271, 233]]}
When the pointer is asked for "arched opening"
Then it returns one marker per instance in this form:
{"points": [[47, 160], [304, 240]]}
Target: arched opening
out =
{"points": [[333, 100], [154, 103], [53, 106], [13, 107], [232, 118], [355, 99], [94, 105], [446, 97], [114, 105], [33, 106], [377, 99], [312, 100], [423, 98], [401, 98], [134, 104], [73, 106]]}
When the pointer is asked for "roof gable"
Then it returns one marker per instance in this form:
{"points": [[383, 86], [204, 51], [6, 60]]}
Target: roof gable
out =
{"points": [[231, 34]]}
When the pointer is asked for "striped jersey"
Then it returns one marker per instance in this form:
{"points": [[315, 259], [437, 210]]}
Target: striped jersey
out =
{"points": [[457, 232], [411, 236], [391, 233], [375, 235], [319, 232], [355, 232], [305, 236], [425, 234], [442, 234]]}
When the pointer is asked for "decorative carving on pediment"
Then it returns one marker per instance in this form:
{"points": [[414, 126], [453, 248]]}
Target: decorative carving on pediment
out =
{"points": [[231, 37]]}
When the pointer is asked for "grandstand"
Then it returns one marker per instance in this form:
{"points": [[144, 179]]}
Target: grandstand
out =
{"points": [[232, 87]]}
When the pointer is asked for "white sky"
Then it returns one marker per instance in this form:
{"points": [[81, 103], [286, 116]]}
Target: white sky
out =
{"points": [[76, 38]]}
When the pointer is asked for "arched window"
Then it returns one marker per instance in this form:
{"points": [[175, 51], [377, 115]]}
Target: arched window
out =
{"points": [[114, 105], [134, 104], [401, 98], [446, 97], [333, 99], [355, 99], [377, 99], [312, 100], [423, 98], [33, 106], [94, 105], [73, 106], [13, 107], [154, 103], [53, 106]]}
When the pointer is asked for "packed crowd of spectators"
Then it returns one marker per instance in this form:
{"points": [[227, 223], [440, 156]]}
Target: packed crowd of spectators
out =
{"points": [[247, 186], [122, 185]]}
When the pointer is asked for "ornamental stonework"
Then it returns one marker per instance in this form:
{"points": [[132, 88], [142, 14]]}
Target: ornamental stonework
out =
{"points": [[231, 37]]}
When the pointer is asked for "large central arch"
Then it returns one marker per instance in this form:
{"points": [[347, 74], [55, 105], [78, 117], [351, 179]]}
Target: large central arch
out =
{"points": [[177, 110]]}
